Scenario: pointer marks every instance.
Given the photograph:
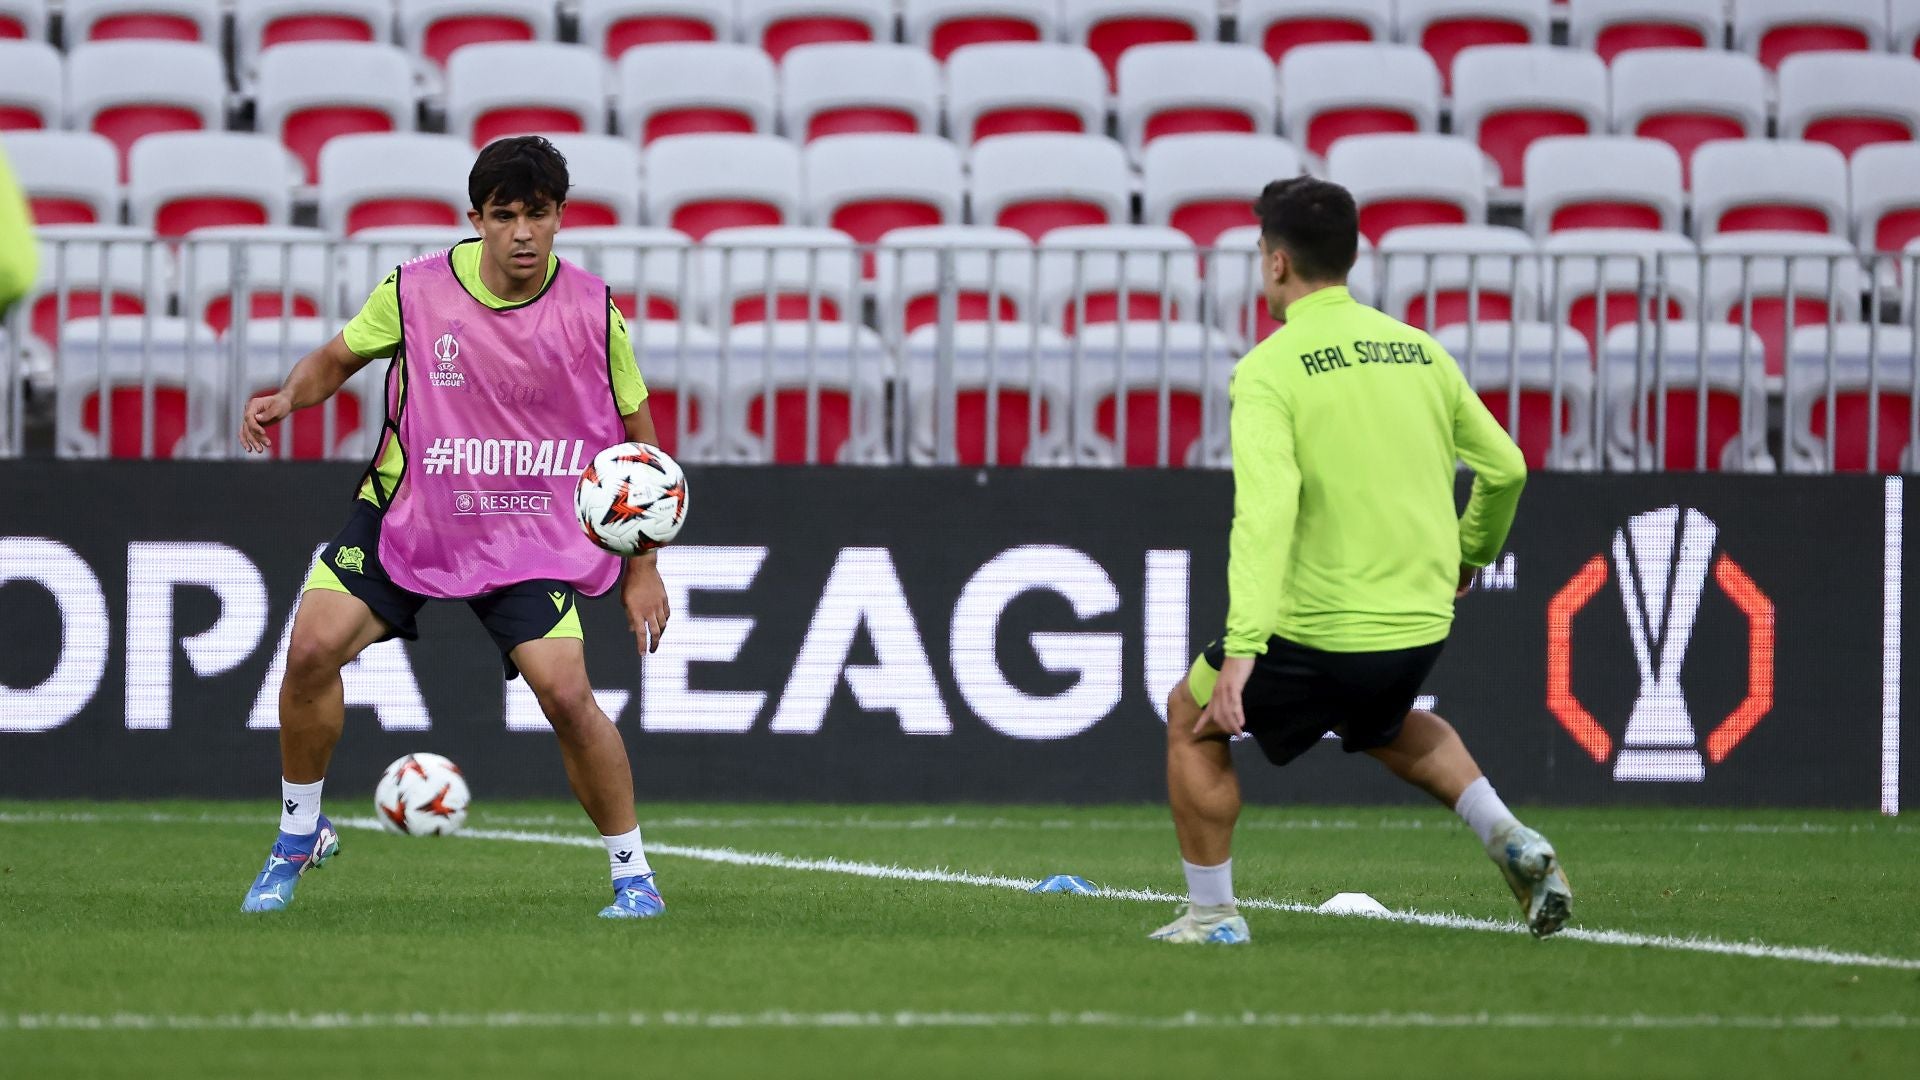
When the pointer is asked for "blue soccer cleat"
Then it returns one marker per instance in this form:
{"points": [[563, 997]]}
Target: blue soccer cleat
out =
{"points": [[634, 898], [291, 856]]}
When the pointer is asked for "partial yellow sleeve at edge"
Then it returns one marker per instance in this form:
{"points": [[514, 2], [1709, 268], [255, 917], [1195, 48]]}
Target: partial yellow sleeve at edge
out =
{"points": [[629, 389], [19, 255]]}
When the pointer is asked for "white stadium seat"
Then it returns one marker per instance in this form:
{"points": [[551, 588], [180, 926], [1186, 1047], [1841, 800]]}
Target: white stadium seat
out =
{"points": [[779, 273], [1328, 92], [69, 177], [990, 271], [434, 29], [1871, 372], [142, 20], [1024, 88], [308, 93], [275, 272], [1756, 184], [1886, 200], [1094, 274], [648, 271], [1775, 282], [1190, 88], [1603, 182], [1124, 367], [859, 88], [1525, 374], [699, 183], [1407, 180], [1234, 295], [1035, 183], [260, 25], [1597, 279], [942, 27], [868, 185], [182, 181], [835, 371], [521, 88], [1506, 96], [1687, 97], [125, 355], [1111, 27], [1280, 26], [128, 89], [1850, 100], [1772, 30], [1467, 273], [694, 88], [88, 270], [1446, 27], [778, 26], [611, 27], [370, 254], [1612, 27], [1906, 27], [345, 426], [398, 179], [33, 86], [605, 175], [1009, 392], [1725, 359], [1203, 184], [680, 361], [25, 20]]}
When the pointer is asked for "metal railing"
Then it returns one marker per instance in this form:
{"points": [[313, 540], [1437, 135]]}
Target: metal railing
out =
{"points": [[1597, 351]]}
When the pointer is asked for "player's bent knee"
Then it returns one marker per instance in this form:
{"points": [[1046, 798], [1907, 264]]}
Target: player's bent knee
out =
{"points": [[312, 657], [569, 709]]}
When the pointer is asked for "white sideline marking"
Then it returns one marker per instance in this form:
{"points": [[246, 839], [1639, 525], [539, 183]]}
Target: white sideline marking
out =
{"points": [[728, 856], [782, 1018], [1807, 954]]}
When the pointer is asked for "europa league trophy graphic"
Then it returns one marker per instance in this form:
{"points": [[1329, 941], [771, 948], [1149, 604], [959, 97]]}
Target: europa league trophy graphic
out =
{"points": [[1660, 583]]}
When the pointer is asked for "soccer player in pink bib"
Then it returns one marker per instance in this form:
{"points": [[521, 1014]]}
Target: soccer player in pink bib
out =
{"points": [[510, 369]]}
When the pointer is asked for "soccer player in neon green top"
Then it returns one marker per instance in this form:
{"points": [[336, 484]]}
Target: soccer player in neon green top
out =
{"points": [[1345, 559]]}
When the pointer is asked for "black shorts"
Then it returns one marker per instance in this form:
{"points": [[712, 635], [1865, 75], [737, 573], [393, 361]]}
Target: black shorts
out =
{"points": [[1297, 694], [522, 612]]}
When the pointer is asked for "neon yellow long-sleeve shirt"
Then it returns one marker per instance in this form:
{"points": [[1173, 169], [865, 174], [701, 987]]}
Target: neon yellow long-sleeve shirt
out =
{"points": [[1347, 426], [19, 257]]}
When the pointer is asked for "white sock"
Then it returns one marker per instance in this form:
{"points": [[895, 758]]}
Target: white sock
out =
{"points": [[300, 807], [1483, 811], [1209, 886], [625, 857]]}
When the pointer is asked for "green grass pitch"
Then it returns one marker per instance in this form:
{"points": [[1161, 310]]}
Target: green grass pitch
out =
{"points": [[123, 952]]}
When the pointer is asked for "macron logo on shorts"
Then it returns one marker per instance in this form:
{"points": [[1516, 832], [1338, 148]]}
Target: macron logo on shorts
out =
{"points": [[505, 457]]}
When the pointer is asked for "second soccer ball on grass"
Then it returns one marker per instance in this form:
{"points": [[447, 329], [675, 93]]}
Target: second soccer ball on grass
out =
{"points": [[632, 498]]}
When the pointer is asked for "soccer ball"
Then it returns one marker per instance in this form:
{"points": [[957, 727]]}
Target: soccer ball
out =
{"points": [[422, 795], [632, 498]]}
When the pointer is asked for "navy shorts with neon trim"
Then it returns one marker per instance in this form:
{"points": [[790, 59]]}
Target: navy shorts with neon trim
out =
{"points": [[1297, 694], [522, 612]]}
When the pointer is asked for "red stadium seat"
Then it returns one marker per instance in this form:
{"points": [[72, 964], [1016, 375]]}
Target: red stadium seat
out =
{"points": [[779, 26], [142, 20], [1446, 27], [1016, 88], [313, 92], [126, 90], [699, 183], [1409, 180], [1280, 26], [942, 27], [1765, 185], [1193, 88], [1612, 27], [695, 89], [860, 89], [1110, 29], [435, 29], [1507, 96], [1772, 30], [613, 26], [498, 89], [1602, 183], [1199, 183], [1329, 92], [1036, 183], [1850, 100], [32, 86], [370, 181]]}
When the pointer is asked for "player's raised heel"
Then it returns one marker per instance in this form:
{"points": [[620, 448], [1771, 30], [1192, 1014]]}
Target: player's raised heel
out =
{"points": [[1532, 870], [291, 857], [1202, 925], [634, 898]]}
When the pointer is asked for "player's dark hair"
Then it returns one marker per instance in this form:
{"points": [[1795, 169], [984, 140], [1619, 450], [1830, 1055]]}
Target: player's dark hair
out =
{"points": [[525, 169], [1314, 222]]}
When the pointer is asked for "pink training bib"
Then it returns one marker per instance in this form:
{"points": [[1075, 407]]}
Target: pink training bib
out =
{"points": [[501, 411]]}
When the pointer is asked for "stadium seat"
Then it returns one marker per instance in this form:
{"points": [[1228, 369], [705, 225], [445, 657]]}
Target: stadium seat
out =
{"points": [[128, 89], [1433, 276], [1850, 100], [434, 29], [1024, 88], [69, 177], [1445, 27], [1035, 183], [1203, 184], [126, 355], [1775, 282], [395, 179], [1193, 87], [868, 185], [699, 183], [29, 363], [1506, 96], [1906, 27], [760, 274], [1328, 92], [1688, 97], [25, 20], [680, 361], [1886, 199], [496, 89], [1117, 273], [1598, 279], [1235, 298], [827, 384], [611, 27], [1612, 27], [187, 180], [370, 255], [1280, 26], [1009, 394], [1754, 184], [1871, 424], [944, 26], [991, 276], [274, 272], [1527, 375], [1111, 27], [142, 20], [604, 174], [859, 88], [32, 86], [1772, 30], [1679, 359], [694, 88], [308, 93], [89, 270], [342, 427], [779, 25], [1124, 367], [259, 25], [1602, 182], [1404, 180], [646, 270]]}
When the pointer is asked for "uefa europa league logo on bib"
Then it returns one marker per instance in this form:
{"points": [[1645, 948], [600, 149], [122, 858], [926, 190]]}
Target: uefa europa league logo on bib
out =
{"points": [[1661, 577]]}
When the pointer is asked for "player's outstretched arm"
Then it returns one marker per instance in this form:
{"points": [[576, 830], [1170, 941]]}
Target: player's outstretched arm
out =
{"points": [[317, 377], [642, 592]]}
